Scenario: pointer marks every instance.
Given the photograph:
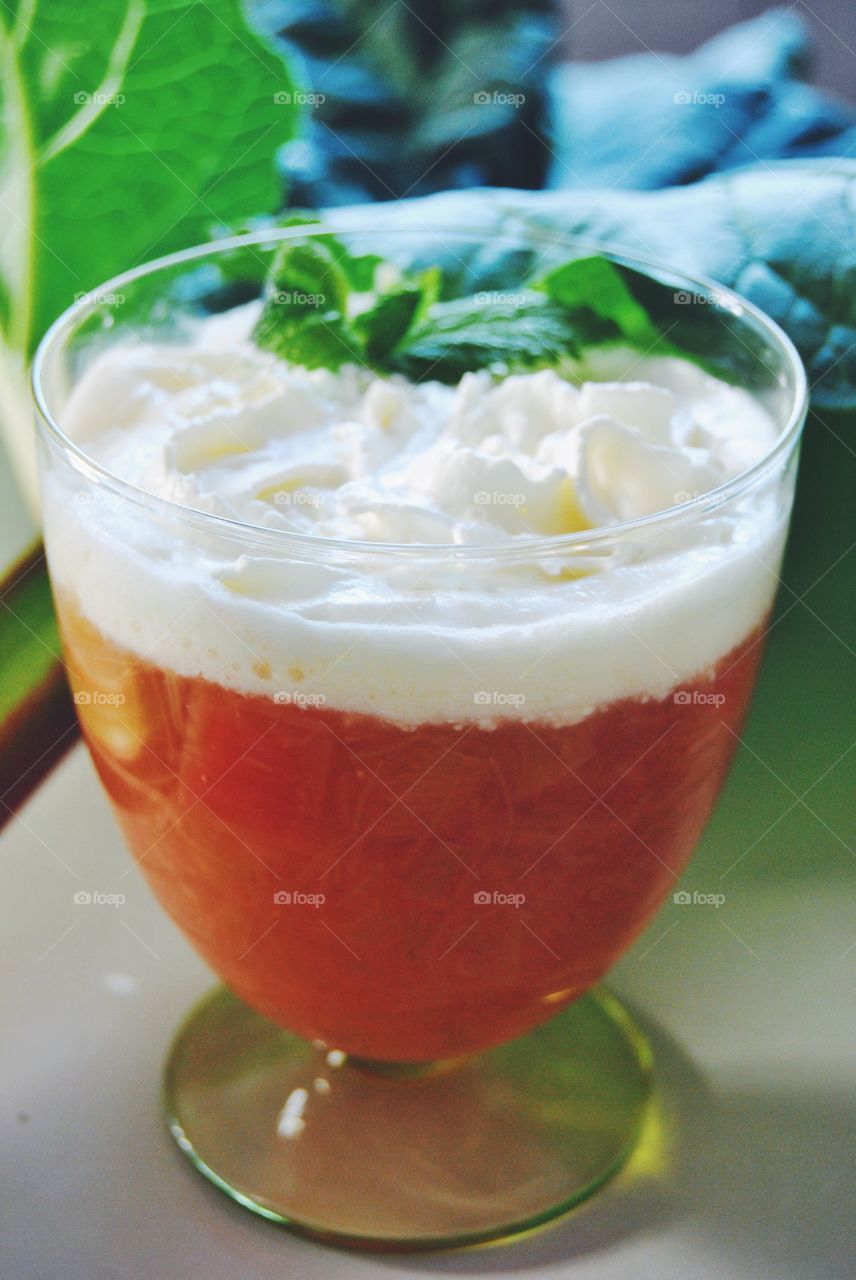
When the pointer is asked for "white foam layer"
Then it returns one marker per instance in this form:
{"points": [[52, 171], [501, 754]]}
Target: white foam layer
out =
{"points": [[218, 426]]}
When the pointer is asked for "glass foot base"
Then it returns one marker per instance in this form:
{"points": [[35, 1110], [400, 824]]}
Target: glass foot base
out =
{"points": [[464, 1153]]}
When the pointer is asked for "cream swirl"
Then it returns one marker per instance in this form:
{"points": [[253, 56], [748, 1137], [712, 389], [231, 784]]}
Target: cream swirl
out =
{"points": [[213, 424]]}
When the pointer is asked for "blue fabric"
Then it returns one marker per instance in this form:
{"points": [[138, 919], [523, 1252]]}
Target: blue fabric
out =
{"points": [[784, 235], [719, 163], [657, 120]]}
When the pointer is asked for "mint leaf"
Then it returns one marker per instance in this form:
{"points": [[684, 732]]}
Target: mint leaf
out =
{"points": [[359, 268], [595, 284], [796, 261], [315, 341], [385, 325], [406, 330], [308, 302], [246, 265], [463, 335], [308, 273], [304, 319], [127, 130]]}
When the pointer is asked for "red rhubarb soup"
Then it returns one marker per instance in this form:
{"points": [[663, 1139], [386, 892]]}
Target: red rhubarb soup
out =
{"points": [[404, 893]]}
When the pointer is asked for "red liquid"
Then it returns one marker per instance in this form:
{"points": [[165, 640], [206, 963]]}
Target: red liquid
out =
{"points": [[226, 799]]}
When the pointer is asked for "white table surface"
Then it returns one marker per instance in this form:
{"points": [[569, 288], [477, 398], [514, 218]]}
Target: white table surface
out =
{"points": [[750, 1006]]}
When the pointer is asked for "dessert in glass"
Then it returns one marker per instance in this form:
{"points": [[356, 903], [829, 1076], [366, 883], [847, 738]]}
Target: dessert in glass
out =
{"points": [[413, 591]]}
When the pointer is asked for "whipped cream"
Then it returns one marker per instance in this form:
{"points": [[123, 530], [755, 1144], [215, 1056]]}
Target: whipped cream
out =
{"points": [[216, 425]]}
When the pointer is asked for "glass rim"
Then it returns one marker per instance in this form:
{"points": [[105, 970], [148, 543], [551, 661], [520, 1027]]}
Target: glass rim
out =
{"points": [[720, 297]]}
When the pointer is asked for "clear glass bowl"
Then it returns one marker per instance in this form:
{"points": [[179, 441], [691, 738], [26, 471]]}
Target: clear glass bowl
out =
{"points": [[410, 911]]}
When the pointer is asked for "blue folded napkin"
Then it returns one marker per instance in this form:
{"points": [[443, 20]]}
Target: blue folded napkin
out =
{"points": [[658, 120], [784, 235]]}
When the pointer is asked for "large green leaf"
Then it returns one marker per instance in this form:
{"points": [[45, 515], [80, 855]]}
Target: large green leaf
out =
{"points": [[128, 128]]}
